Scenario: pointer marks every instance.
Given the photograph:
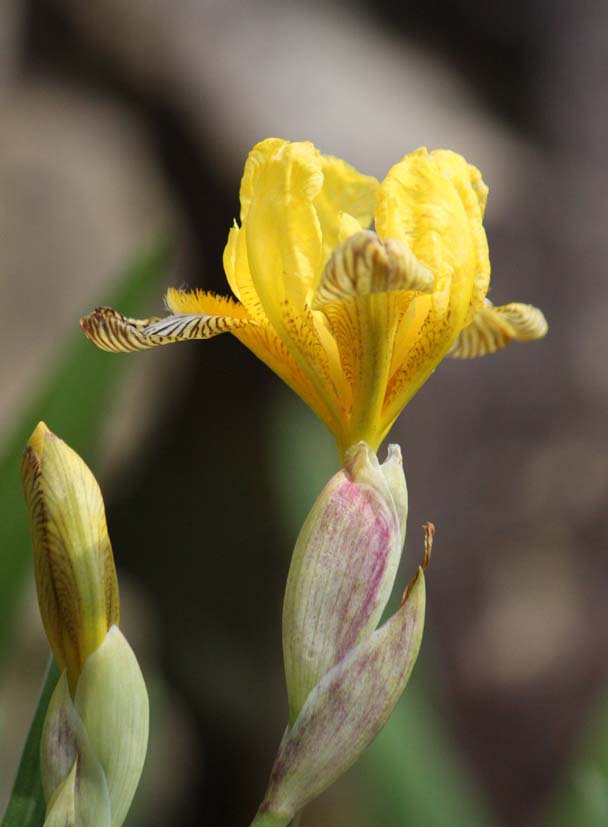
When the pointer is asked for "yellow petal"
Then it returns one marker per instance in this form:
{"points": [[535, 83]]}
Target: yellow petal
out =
{"points": [[284, 249], [202, 316], [473, 193], [236, 267], [259, 156], [434, 203], [363, 264], [236, 263], [262, 340], [282, 230], [494, 327], [347, 226], [422, 338], [366, 288], [345, 190], [418, 203], [364, 330], [74, 566], [266, 345]]}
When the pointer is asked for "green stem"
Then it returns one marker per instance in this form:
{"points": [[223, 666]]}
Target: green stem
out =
{"points": [[26, 805], [271, 820]]}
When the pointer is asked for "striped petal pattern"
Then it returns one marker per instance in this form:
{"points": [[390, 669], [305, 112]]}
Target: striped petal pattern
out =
{"points": [[493, 328], [351, 290]]}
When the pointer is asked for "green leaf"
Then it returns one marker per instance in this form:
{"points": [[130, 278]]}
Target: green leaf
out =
{"points": [[26, 804], [74, 404]]}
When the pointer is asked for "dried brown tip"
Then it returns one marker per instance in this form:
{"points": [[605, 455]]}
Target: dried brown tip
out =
{"points": [[429, 533]]}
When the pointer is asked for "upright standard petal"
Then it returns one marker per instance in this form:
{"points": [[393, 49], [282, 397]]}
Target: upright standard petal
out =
{"points": [[282, 229], [345, 191], [432, 202], [236, 262]]}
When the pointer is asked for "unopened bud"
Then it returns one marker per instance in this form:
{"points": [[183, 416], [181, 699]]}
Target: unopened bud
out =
{"points": [[96, 741], [344, 676], [95, 733], [73, 562], [343, 567], [346, 710]]}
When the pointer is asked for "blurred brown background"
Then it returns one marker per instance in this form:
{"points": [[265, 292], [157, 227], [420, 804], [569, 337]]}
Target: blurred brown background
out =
{"points": [[119, 120]]}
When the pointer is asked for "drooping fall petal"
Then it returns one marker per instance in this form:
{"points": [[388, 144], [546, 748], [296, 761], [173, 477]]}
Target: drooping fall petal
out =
{"points": [[493, 328]]}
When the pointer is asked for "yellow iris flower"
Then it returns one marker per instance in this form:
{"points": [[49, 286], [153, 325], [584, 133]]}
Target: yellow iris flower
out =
{"points": [[351, 290]]}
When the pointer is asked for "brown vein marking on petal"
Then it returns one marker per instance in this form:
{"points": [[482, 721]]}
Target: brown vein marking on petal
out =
{"points": [[364, 264], [111, 331], [495, 327]]}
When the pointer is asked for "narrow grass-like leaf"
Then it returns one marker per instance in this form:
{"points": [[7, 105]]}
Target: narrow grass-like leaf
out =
{"points": [[74, 403], [26, 804]]}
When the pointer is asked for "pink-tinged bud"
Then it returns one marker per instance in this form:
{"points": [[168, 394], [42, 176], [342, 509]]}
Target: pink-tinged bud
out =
{"points": [[344, 676], [343, 567], [345, 711]]}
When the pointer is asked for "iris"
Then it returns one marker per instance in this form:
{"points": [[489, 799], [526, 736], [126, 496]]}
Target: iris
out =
{"points": [[350, 289]]}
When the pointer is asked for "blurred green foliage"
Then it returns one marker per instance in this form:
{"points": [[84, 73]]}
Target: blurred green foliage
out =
{"points": [[26, 806], [582, 798], [412, 773], [74, 403]]}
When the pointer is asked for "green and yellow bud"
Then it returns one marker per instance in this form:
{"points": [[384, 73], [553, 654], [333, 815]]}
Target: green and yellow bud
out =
{"points": [[95, 733], [97, 738], [73, 562]]}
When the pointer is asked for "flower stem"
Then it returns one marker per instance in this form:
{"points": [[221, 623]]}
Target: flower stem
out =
{"points": [[26, 805], [270, 820]]}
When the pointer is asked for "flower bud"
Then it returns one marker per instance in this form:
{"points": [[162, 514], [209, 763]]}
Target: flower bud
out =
{"points": [[345, 711], [93, 745], [74, 567], [73, 780], [344, 676], [343, 567], [95, 733]]}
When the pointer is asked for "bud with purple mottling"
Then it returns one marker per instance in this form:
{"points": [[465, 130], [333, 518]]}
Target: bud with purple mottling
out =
{"points": [[344, 676]]}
